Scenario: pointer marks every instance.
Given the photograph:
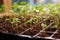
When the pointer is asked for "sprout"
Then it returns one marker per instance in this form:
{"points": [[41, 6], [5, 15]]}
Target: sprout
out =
{"points": [[43, 25], [15, 20]]}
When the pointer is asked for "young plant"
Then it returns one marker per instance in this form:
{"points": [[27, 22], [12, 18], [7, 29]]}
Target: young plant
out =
{"points": [[32, 21], [43, 25], [15, 21]]}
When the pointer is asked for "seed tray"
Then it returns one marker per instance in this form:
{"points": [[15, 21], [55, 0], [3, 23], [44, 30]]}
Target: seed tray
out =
{"points": [[37, 32]]}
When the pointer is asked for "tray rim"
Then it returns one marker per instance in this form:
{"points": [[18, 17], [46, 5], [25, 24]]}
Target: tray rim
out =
{"points": [[30, 37]]}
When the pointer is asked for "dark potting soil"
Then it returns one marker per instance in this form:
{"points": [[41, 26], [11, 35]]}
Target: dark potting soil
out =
{"points": [[44, 34], [57, 35]]}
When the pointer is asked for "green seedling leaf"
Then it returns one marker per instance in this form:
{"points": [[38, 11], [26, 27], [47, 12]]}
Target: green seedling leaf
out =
{"points": [[43, 25]]}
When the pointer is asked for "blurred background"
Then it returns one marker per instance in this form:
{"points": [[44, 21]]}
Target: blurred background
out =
{"points": [[7, 3], [34, 2]]}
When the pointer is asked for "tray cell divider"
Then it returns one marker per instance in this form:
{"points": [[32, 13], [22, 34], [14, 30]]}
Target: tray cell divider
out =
{"points": [[43, 29], [47, 31], [53, 33]]}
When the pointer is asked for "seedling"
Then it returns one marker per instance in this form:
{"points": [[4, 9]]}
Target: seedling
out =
{"points": [[43, 25]]}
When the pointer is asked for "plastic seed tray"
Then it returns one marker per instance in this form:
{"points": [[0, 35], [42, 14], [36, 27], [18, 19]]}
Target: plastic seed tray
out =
{"points": [[37, 32]]}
